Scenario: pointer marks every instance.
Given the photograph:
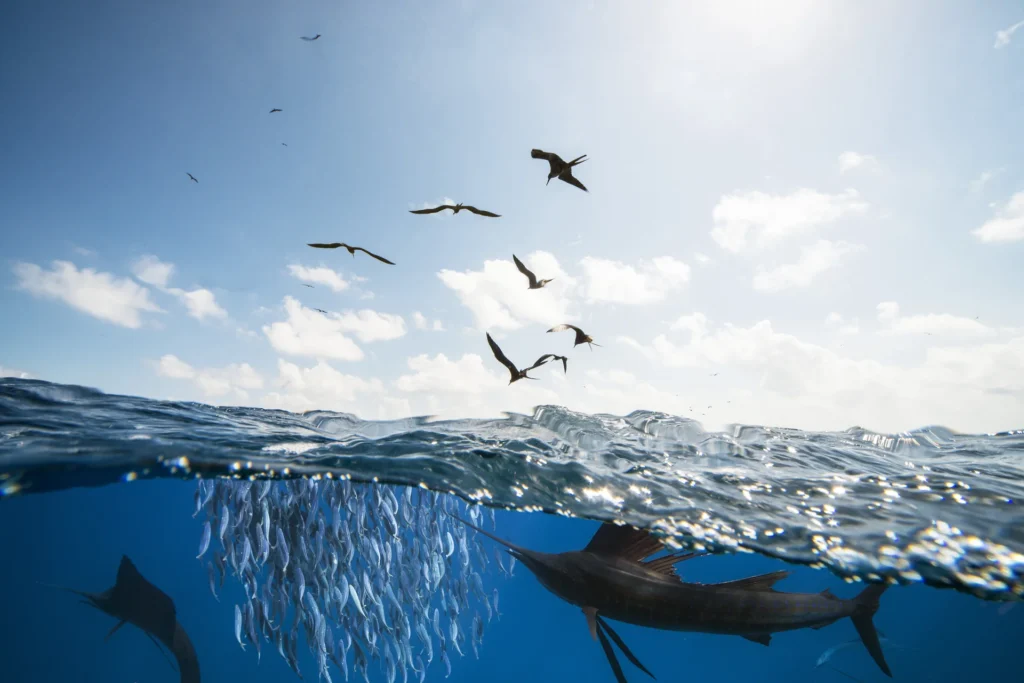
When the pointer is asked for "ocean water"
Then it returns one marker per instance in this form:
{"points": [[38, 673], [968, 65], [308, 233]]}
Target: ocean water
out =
{"points": [[87, 478]]}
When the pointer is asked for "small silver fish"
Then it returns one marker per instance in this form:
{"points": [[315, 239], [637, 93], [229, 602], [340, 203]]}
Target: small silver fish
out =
{"points": [[204, 542], [238, 626]]}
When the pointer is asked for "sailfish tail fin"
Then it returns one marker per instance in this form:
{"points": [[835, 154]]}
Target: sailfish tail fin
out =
{"points": [[867, 605]]}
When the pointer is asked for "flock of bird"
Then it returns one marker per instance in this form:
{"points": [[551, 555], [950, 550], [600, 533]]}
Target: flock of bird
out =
{"points": [[557, 168]]}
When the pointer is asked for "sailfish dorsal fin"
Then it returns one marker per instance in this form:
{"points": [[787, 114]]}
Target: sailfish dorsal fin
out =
{"points": [[625, 541]]}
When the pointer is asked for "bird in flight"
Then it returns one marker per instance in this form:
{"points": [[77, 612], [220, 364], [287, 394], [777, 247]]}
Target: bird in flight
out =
{"points": [[552, 356], [515, 373], [305, 285], [311, 39], [581, 336], [320, 310], [456, 208], [191, 176], [534, 282], [274, 109], [559, 168], [351, 250], [285, 144]]}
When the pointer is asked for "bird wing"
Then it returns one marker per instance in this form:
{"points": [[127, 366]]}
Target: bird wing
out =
{"points": [[542, 360], [370, 253], [565, 363], [332, 245], [563, 328], [541, 154], [433, 210], [481, 212], [573, 180], [524, 270], [496, 350]]}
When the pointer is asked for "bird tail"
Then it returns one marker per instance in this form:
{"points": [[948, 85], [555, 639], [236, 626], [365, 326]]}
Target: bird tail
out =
{"points": [[578, 160]]}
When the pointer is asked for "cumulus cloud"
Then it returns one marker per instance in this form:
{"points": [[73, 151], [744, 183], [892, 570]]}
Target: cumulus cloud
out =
{"points": [[979, 183], [199, 303], [11, 372], [645, 283], [423, 323], [153, 271], [237, 379], [801, 383], [1007, 225], [849, 161], [322, 387], [112, 299], [310, 333], [1004, 36], [319, 276], [775, 217], [841, 324], [498, 298], [814, 260], [702, 259], [929, 323]]}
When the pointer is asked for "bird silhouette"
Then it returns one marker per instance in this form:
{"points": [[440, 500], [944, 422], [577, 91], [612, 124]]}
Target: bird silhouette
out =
{"points": [[559, 168], [311, 39], [534, 282], [456, 208], [305, 285], [274, 109], [515, 373], [552, 356], [192, 177], [320, 310], [581, 336], [351, 250]]}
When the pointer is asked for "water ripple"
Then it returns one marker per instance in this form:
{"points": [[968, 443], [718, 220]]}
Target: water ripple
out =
{"points": [[928, 505]]}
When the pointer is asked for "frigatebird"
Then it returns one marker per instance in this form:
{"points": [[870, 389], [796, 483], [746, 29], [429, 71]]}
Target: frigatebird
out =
{"points": [[559, 168], [273, 110], [307, 285], [552, 356], [320, 310], [351, 250], [456, 208], [191, 176], [534, 282], [503, 359], [134, 600], [581, 337], [615, 577], [311, 39]]}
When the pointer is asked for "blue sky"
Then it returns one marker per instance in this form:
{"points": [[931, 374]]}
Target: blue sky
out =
{"points": [[823, 203]]}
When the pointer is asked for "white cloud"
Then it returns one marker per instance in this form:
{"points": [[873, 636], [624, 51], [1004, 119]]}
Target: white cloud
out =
{"points": [[649, 282], [201, 303], [929, 323], [499, 298], [814, 260], [844, 326], [979, 183], [849, 161], [235, 378], [800, 383], [1008, 224], [11, 372], [310, 333], [776, 217], [423, 323], [153, 271], [319, 276], [321, 387], [102, 295], [702, 259], [1004, 36]]}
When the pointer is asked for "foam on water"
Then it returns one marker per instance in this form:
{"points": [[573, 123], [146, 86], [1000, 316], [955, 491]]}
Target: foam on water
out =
{"points": [[922, 506]]}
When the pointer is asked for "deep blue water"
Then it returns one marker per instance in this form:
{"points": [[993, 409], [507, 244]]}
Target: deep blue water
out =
{"points": [[70, 513]]}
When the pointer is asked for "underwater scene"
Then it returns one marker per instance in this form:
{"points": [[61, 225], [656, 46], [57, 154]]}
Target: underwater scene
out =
{"points": [[272, 276]]}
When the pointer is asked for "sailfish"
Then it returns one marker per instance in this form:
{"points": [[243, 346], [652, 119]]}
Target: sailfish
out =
{"points": [[134, 600], [614, 577]]}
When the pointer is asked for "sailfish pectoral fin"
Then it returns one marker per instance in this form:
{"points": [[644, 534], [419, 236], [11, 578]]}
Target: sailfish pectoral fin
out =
{"points": [[622, 646], [591, 614], [114, 630], [162, 651]]}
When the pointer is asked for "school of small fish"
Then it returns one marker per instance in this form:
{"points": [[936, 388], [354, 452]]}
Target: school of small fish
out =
{"points": [[365, 571]]}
